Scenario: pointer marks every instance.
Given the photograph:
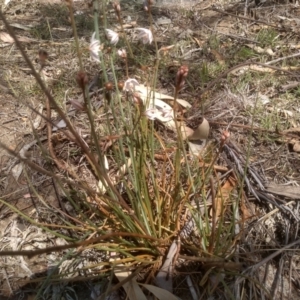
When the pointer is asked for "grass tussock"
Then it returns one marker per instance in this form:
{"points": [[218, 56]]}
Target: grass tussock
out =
{"points": [[153, 194]]}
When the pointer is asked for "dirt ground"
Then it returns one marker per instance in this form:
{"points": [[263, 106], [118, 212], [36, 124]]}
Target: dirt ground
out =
{"points": [[44, 25]]}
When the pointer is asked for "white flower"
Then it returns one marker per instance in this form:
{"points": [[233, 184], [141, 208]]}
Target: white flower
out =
{"points": [[130, 84], [145, 35], [122, 53], [94, 48], [112, 36]]}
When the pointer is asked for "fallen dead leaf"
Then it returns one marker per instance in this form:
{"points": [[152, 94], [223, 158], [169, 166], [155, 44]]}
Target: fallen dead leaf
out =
{"points": [[296, 147], [25, 39], [198, 42], [17, 170], [6, 38], [283, 190], [163, 278], [260, 50], [165, 50], [218, 56], [223, 195], [244, 209], [201, 132], [101, 188]]}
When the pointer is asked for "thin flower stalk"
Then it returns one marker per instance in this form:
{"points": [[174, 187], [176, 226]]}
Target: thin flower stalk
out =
{"points": [[43, 56], [123, 54], [75, 35], [116, 197], [148, 8], [117, 8], [180, 78], [223, 140], [179, 82], [148, 5], [82, 81], [96, 26]]}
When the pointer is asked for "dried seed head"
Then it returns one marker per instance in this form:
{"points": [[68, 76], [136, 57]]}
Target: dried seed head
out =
{"points": [[225, 136], [180, 77], [69, 2], [148, 4], [43, 55], [109, 86], [120, 85], [144, 68], [117, 8], [82, 79]]}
